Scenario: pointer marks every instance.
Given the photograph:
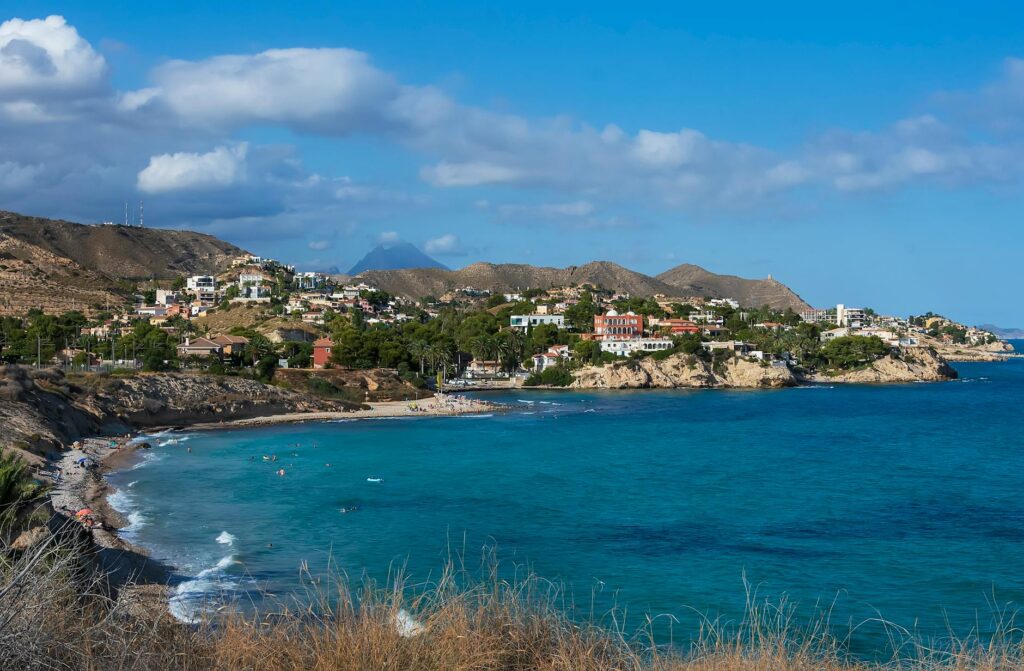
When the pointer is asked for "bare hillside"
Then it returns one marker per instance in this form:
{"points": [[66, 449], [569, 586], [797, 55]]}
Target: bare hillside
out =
{"points": [[418, 282], [685, 280], [692, 280], [123, 252]]}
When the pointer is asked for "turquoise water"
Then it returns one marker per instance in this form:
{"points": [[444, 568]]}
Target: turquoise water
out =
{"points": [[904, 501]]}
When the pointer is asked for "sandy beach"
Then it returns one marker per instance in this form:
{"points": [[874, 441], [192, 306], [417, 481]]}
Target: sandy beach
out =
{"points": [[436, 406], [81, 486]]}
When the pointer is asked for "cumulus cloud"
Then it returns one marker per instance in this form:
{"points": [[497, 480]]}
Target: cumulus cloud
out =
{"points": [[222, 167], [47, 56], [388, 238], [67, 136], [334, 91], [319, 245]]}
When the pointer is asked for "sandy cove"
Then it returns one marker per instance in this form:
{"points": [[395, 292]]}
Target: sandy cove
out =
{"points": [[437, 406]]}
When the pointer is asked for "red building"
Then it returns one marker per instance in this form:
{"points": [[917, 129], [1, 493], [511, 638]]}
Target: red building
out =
{"points": [[613, 326], [322, 352]]}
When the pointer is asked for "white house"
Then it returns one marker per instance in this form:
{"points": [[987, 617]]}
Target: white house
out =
{"points": [[832, 334], [201, 283], [627, 347], [555, 355], [522, 322]]}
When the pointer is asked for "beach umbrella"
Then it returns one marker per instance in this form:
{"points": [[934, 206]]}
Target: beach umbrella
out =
{"points": [[83, 512]]}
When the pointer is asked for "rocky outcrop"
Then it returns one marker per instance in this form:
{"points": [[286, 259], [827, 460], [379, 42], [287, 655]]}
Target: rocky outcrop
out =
{"points": [[682, 370], [912, 364]]}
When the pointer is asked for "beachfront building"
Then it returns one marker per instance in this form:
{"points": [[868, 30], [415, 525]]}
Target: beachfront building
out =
{"points": [[555, 355], [620, 347], [322, 352], [736, 346], [524, 322], [613, 326]]}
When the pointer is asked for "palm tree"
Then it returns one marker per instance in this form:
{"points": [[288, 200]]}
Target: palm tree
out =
{"points": [[511, 347], [418, 350], [258, 347]]}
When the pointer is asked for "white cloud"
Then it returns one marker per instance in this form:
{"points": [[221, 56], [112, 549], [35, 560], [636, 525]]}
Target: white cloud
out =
{"points": [[446, 245], [319, 245], [474, 173], [335, 91], [222, 167], [47, 56], [579, 208], [388, 238]]}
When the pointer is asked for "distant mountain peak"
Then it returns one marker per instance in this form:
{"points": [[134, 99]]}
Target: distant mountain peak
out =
{"points": [[394, 256]]}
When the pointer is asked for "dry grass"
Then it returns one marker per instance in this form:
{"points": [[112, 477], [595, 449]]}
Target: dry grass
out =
{"points": [[55, 614]]}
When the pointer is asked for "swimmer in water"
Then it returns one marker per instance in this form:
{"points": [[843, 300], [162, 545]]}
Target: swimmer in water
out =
{"points": [[281, 472]]}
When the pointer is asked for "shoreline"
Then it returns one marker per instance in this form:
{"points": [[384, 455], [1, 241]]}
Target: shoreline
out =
{"points": [[448, 406], [129, 571]]}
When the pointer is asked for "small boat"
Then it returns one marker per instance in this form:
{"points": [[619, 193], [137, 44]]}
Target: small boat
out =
{"points": [[375, 479]]}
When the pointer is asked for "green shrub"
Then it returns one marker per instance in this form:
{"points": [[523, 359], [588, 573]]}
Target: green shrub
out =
{"points": [[556, 376]]}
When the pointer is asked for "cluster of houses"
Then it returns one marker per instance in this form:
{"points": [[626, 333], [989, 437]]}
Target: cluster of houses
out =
{"points": [[314, 304], [846, 321]]}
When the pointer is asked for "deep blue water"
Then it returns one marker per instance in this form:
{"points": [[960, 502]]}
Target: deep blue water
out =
{"points": [[903, 501]]}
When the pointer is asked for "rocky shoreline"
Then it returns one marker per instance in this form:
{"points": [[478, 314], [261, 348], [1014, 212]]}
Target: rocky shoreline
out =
{"points": [[920, 364]]}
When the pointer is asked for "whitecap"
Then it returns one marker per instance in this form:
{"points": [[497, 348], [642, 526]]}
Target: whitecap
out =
{"points": [[192, 597], [123, 503], [475, 416], [132, 483], [226, 538], [525, 401]]}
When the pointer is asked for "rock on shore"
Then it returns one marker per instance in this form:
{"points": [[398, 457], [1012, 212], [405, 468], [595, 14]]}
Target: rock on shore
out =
{"points": [[683, 370], [913, 364]]}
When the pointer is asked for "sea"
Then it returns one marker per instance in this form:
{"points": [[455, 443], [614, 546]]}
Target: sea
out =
{"points": [[890, 510]]}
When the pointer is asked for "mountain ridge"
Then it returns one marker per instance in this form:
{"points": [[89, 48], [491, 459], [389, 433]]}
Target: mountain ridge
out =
{"points": [[683, 280]]}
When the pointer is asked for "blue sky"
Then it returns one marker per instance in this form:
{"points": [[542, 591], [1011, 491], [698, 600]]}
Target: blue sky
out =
{"points": [[866, 155]]}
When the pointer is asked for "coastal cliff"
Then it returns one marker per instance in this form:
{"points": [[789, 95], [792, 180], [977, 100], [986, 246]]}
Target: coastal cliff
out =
{"points": [[913, 364], [920, 364], [43, 409], [683, 370]]}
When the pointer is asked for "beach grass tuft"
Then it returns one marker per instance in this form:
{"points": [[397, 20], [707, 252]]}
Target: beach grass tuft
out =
{"points": [[58, 613]]}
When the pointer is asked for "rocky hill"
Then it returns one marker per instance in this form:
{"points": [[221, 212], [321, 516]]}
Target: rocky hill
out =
{"points": [[32, 277], [122, 252], [696, 281], [686, 280], [418, 282]]}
